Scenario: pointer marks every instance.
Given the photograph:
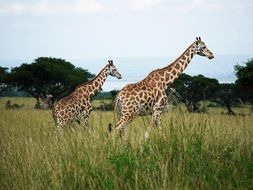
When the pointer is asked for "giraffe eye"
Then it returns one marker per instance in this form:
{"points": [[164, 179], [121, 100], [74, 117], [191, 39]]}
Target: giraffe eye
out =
{"points": [[204, 47]]}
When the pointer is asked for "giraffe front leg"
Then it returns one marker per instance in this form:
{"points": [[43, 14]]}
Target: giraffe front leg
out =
{"points": [[85, 115], [155, 123], [84, 119], [59, 123], [156, 119], [158, 109]]}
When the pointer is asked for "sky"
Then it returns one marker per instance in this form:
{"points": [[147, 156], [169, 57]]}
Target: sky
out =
{"points": [[107, 29]]}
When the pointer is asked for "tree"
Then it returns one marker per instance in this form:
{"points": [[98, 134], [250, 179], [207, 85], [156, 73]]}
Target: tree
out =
{"points": [[244, 82], [226, 96], [3, 79], [113, 94], [48, 75], [194, 89]]}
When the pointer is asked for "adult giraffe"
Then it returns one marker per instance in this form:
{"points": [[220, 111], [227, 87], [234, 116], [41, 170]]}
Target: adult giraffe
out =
{"points": [[77, 106], [148, 96]]}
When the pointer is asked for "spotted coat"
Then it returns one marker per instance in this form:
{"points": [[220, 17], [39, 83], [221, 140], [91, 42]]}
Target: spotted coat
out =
{"points": [[148, 96], [77, 106]]}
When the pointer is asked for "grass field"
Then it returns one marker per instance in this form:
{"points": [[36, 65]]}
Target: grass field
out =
{"points": [[192, 151]]}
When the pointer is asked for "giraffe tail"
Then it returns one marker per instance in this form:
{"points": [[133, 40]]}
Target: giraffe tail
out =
{"points": [[109, 127]]}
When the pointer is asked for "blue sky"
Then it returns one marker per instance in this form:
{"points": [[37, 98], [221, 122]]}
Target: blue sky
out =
{"points": [[81, 29]]}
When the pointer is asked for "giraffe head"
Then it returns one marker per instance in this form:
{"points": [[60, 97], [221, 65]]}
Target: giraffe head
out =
{"points": [[49, 96], [201, 49], [112, 70]]}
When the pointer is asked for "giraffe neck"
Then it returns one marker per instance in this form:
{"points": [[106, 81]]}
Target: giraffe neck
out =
{"points": [[179, 65], [93, 86], [165, 76], [47, 100]]}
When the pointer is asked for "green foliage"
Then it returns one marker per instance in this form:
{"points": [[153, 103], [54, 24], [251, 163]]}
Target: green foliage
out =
{"points": [[227, 96], [3, 79], [244, 84], [125, 163], [48, 76], [114, 94], [195, 88], [106, 100]]}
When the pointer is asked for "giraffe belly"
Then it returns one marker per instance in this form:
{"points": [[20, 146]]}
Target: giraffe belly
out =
{"points": [[145, 109], [134, 102]]}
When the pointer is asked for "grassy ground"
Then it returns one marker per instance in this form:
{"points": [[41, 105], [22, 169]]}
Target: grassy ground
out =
{"points": [[192, 151]]}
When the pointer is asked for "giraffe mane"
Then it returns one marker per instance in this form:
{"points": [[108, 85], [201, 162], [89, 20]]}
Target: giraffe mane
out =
{"points": [[88, 82], [160, 69]]}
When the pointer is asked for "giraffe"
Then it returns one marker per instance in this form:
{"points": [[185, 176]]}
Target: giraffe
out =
{"points": [[47, 102], [77, 106], [148, 97]]}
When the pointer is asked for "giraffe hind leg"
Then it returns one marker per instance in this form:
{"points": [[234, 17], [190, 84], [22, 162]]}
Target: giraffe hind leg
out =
{"points": [[122, 124], [59, 125]]}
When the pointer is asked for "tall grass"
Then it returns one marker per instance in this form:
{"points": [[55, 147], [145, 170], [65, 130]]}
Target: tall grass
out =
{"points": [[192, 151]]}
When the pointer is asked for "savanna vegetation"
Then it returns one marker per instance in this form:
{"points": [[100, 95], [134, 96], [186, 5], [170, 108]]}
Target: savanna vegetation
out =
{"points": [[195, 149], [191, 151]]}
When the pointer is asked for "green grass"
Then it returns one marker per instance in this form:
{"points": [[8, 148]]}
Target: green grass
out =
{"points": [[192, 151]]}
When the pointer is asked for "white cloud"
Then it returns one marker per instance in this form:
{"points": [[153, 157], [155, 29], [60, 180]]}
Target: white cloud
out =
{"points": [[214, 5], [79, 7], [143, 4], [52, 7], [48, 7], [87, 6], [189, 5], [13, 8]]}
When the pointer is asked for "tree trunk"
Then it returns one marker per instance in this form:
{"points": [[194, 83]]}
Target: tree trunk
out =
{"points": [[37, 105], [229, 108]]}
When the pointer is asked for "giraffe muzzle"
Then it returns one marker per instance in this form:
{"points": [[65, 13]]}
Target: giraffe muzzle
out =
{"points": [[211, 56], [119, 76]]}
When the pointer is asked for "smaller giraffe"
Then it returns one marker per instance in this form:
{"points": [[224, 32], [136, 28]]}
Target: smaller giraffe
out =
{"points": [[47, 102], [77, 106]]}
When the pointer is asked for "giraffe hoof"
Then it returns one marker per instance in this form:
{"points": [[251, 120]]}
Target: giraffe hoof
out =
{"points": [[146, 136]]}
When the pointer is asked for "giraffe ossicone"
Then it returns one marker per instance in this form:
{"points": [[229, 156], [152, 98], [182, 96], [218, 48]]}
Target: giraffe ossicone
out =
{"points": [[148, 97], [77, 106]]}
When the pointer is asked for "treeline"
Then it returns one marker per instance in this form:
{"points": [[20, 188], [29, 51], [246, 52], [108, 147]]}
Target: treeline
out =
{"points": [[44, 76], [193, 89], [59, 78]]}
